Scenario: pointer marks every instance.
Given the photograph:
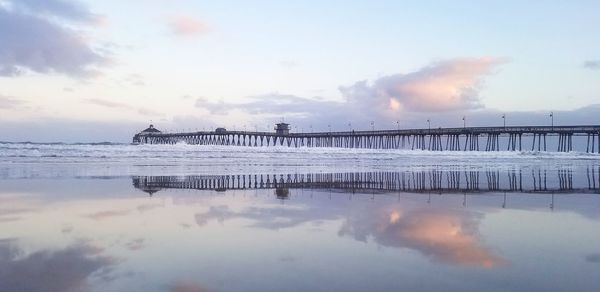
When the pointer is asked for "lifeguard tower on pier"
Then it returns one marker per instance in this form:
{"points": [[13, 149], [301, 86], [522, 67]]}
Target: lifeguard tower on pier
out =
{"points": [[282, 129]]}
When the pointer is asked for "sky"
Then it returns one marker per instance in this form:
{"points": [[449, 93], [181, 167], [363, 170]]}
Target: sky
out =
{"points": [[90, 71]]}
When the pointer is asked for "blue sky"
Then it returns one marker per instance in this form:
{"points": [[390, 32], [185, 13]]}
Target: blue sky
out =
{"points": [[112, 66]]}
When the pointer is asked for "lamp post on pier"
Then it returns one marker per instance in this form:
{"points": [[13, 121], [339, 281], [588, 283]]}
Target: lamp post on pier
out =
{"points": [[552, 119], [372, 125], [504, 120], [429, 124], [464, 122]]}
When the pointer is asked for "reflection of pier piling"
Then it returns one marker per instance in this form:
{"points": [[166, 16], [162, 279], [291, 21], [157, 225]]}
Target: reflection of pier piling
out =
{"points": [[434, 181], [456, 139]]}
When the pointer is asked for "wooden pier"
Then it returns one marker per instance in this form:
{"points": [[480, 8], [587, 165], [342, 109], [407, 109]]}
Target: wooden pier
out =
{"points": [[435, 139]]}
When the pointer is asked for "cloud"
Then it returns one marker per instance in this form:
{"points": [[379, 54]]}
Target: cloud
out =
{"points": [[46, 129], [442, 86], [187, 26], [272, 103], [112, 104], [446, 86], [33, 39], [50, 270], [135, 79], [71, 10], [107, 103], [592, 64], [135, 244], [288, 64], [9, 103]]}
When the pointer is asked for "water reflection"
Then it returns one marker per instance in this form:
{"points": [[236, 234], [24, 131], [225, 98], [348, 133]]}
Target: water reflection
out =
{"points": [[65, 269], [445, 235], [280, 231], [187, 286], [431, 181]]}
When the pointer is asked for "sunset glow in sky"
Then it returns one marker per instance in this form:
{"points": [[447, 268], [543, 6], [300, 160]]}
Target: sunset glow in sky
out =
{"points": [[86, 70]]}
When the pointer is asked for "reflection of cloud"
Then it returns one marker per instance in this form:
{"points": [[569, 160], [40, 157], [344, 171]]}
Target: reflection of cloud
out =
{"points": [[593, 258], [147, 207], [266, 217], [187, 286], [13, 214], [107, 214], [61, 270], [214, 212], [9, 103], [67, 229], [444, 235]]}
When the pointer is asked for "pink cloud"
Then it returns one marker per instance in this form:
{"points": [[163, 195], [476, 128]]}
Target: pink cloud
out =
{"points": [[188, 26], [442, 86]]}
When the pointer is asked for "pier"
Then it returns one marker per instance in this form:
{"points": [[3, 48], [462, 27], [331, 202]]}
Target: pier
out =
{"points": [[434, 139]]}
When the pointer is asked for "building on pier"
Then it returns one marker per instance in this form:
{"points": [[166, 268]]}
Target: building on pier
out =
{"points": [[282, 129], [151, 129]]}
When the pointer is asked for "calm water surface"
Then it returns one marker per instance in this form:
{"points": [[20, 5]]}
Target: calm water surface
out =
{"points": [[519, 225]]}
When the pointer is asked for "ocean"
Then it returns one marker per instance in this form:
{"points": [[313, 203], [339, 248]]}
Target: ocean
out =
{"points": [[119, 217]]}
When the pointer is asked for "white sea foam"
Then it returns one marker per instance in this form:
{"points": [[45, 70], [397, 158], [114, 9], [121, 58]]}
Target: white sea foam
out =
{"points": [[52, 160], [24, 152]]}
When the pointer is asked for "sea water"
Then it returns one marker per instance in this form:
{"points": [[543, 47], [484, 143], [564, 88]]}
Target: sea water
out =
{"points": [[115, 217]]}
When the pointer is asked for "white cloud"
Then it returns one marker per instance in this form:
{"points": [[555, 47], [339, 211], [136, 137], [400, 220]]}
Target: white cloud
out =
{"points": [[592, 64], [32, 39]]}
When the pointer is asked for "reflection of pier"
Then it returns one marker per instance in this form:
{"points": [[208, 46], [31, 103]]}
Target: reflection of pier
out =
{"points": [[433, 181]]}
